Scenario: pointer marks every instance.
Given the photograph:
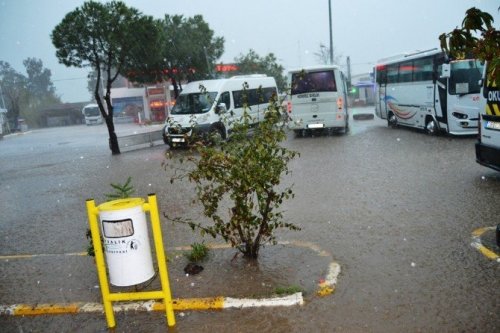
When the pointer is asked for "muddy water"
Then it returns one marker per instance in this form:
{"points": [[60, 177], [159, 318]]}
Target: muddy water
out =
{"points": [[394, 207]]}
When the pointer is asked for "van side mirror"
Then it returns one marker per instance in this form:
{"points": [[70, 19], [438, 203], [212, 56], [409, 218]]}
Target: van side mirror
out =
{"points": [[220, 108], [445, 71]]}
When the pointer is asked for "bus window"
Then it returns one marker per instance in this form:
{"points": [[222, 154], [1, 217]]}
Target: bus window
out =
{"points": [[422, 69], [405, 71], [392, 73]]}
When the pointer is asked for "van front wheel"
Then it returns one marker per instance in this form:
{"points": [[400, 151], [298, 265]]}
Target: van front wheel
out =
{"points": [[215, 136]]}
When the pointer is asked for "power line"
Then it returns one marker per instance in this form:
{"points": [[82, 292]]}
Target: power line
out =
{"points": [[70, 79]]}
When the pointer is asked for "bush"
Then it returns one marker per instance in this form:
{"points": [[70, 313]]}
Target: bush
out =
{"points": [[245, 171]]}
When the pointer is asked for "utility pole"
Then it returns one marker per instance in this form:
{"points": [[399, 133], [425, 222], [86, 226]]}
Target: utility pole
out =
{"points": [[349, 70], [331, 37]]}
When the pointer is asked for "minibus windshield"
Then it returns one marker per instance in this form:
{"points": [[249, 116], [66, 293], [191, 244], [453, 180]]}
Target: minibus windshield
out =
{"points": [[194, 103]]}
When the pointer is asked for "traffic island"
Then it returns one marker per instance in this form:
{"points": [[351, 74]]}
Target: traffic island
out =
{"points": [[227, 281]]}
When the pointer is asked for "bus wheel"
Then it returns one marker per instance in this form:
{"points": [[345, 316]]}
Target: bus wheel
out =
{"points": [[431, 126], [392, 121]]}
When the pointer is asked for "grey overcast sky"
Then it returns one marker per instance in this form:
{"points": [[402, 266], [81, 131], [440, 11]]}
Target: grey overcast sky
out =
{"points": [[364, 30]]}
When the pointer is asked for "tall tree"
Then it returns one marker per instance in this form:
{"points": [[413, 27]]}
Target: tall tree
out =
{"points": [[40, 90], [477, 37], [110, 38], [190, 49], [252, 63], [13, 85], [39, 78]]}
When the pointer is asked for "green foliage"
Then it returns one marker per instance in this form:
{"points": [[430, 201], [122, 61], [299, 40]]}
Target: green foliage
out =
{"points": [[112, 39], [238, 183], [252, 63], [121, 191], [26, 94], [191, 46], [477, 38], [199, 252], [290, 290], [187, 50]]}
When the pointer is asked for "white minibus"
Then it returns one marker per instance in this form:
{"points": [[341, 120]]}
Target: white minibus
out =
{"points": [[92, 114], [318, 99], [209, 108]]}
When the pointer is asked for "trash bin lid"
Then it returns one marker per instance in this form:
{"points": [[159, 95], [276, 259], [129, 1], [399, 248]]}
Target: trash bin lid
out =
{"points": [[121, 204]]}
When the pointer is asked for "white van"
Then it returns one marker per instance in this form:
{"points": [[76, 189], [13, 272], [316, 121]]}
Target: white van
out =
{"points": [[210, 107], [92, 114], [318, 99]]}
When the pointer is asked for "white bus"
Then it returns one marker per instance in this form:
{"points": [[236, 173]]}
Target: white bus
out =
{"points": [[210, 107], [318, 99], [92, 114], [424, 90]]}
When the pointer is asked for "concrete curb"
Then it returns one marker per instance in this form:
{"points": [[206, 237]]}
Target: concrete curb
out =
{"points": [[215, 303]]}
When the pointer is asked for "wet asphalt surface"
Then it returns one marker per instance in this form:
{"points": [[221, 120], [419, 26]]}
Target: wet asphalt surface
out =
{"points": [[394, 207]]}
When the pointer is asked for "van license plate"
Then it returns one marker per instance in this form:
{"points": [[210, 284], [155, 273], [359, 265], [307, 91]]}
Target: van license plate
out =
{"points": [[177, 139], [315, 126]]}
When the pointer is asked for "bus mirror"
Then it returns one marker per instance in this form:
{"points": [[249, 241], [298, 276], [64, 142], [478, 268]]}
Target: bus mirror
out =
{"points": [[445, 71]]}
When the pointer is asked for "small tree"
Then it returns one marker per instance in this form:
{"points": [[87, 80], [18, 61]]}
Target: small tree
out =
{"points": [[245, 171], [476, 37], [110, 38]]}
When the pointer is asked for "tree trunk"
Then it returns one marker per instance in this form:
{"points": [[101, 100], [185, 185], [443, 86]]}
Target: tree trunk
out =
{"points": [[113, 139]]}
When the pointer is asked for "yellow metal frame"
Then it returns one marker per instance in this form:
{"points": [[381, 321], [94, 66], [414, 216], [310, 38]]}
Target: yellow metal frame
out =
{"points": [[107, 296]]}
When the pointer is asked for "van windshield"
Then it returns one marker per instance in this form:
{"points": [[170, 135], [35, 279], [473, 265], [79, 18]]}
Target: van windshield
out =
{"points": [[306, 82], [194, 103]]}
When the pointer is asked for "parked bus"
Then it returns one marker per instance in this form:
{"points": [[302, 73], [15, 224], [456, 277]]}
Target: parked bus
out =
{"points": [[318, 99], [211, 107], [425, 90], [92, 114], [488, 143]]}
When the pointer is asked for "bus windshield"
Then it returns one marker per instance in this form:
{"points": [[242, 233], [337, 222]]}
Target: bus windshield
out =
{"points": [[306, 82], [465, 77], [91, 111], [194, 103]]}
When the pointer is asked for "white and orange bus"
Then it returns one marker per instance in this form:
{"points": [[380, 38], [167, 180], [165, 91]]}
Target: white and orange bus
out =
{"points": [[426, 90]]}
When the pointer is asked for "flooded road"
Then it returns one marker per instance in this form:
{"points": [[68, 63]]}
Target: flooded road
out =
{"points": [[394, 207]]}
